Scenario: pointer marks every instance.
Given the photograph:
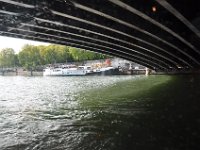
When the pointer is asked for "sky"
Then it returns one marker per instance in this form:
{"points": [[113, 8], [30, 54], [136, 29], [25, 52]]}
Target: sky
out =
{"points": [[16, 44]]}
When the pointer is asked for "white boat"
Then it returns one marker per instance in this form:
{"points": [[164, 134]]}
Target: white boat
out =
{"points": [[87, 68], [66, 71], [104, 71]]}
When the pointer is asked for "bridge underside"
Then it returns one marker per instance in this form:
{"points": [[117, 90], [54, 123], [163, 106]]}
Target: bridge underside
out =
{"points": [[159, 34]]}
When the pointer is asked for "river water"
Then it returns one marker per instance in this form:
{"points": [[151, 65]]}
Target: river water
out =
{"points": [[99, 113]]}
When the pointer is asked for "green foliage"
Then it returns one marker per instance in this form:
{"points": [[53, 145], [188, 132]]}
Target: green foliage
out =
{"points": [[32, 56], [7, 57], [82, 55], [76, 53]]}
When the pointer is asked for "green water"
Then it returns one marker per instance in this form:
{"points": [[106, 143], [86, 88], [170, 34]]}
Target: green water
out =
{"points": [[157, 112], [100, 113], [129, 91]]}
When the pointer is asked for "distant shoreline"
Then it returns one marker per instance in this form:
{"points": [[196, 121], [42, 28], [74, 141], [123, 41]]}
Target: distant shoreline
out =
{"points": [[20, 72]]}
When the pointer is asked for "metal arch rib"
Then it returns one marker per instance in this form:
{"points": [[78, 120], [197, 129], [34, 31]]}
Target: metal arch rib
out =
{"points": [[178, 15], [70, 43], [113, 38], [18, 3], [117, 44], [56, 23], [144, 16], [89, 44], [134, 27], [79, 19], [122, 33], [102, 41], [104, 27], [8, 12]]}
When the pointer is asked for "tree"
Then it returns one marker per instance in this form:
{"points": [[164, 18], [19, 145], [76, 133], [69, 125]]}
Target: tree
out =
{"points": [[49, 54], [7, 57], [42, 51], [62, 53], [16, 60], [75, 53], [80, 54], [30, 57]]}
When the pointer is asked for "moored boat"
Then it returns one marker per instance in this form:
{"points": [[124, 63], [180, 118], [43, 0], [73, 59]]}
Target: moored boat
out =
{"points": [[65, 71], [72, 70]]}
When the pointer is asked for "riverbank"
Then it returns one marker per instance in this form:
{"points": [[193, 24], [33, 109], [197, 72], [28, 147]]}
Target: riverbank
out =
{"points": [[20, 72]]}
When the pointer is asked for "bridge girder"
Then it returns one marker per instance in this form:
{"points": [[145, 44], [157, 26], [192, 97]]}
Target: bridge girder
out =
{"points": [[165, 38]]}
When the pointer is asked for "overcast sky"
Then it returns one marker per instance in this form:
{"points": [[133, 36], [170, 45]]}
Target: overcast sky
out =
{"points": [[16, 44]]}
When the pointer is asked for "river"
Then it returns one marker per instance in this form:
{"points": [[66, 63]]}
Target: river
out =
{"points": [[100, 112]]}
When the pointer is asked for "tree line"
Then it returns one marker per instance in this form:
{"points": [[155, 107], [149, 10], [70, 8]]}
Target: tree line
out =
{"points": [[32, 56]]}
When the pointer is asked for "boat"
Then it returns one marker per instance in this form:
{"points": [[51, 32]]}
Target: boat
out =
{"points": [[88, 69], [68, 70], [72, 70], [105, 71]]}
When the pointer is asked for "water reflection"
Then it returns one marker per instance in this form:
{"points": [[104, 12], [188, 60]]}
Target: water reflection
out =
{"points": [[121, 112]]}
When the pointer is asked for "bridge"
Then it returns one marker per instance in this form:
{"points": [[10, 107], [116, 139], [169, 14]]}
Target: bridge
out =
{"points": [[159, 34]]}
